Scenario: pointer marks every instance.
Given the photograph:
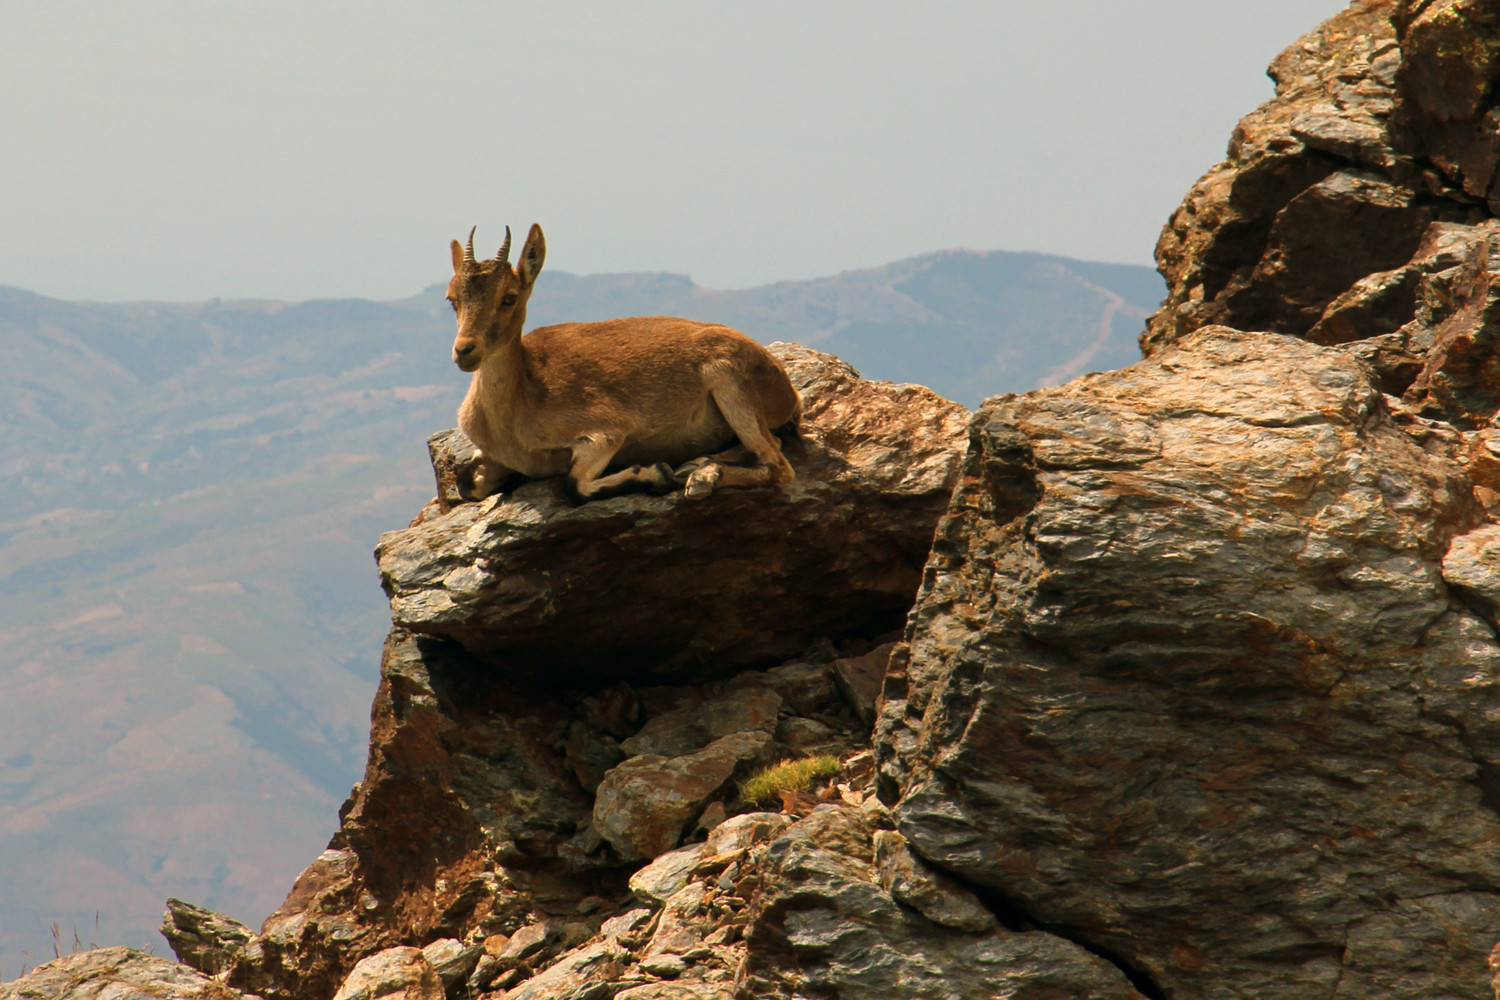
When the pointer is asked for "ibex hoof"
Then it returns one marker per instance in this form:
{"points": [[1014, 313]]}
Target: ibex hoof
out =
{"points": [[686, 469], [701, 482]]}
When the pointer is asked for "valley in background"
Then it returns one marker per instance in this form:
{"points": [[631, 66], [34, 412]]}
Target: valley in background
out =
{"points": [[190, 621]]}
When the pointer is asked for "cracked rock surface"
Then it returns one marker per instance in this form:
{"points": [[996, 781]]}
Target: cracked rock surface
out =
{"points": [[1185, 679]]}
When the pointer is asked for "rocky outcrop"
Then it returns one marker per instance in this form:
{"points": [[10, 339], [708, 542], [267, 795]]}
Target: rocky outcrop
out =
{"points": [[1357, 206], [526, 757], [637, 585], [1204, 673]]}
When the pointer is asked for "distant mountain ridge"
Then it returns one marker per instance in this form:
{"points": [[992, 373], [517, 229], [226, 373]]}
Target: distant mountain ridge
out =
{"points": [[965, 323], [189, 620]]}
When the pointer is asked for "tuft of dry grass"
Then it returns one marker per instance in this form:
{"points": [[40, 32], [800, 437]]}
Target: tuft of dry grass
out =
{"points": [[788, 776]]}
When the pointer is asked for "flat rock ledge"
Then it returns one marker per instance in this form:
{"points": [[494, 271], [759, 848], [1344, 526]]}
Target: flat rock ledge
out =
{"points": [[118, 973], [747, 577]]}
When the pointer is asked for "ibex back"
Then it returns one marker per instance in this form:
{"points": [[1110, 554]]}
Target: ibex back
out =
{"points": [[660, 401]]}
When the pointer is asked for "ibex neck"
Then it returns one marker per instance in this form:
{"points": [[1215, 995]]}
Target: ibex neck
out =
{"points": [[503, 373]]}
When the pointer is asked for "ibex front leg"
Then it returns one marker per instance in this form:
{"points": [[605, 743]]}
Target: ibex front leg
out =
{"points": [[591, 457], [484, 477]]}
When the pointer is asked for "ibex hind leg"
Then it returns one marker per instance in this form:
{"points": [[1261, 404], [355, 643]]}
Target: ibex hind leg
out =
{"points": [[766, 466]]}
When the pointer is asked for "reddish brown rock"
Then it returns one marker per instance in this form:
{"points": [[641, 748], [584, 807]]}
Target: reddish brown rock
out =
{"points": [[1307, 201], [467, 800], [1445, 91]]}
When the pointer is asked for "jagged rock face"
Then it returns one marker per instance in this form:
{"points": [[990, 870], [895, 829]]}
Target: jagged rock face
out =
{"points": [[455, 831], [471, 839], [1185, 680], [617, 588], [1200, 696], [515, 781], [1356, 206]]}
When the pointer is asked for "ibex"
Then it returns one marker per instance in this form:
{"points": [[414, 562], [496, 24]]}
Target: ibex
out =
{"points": [[644, 396]]}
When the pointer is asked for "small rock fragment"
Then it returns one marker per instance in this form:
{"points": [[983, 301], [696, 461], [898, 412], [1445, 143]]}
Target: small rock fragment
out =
{"points": [[860, 678], [665, 876]]}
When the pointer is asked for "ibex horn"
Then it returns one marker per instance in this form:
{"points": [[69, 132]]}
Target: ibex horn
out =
{"points": [[504, 255], [469, 248]]}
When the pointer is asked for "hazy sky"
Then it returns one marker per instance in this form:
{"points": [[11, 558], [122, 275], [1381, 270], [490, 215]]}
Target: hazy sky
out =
{"points": [[296, 150]]}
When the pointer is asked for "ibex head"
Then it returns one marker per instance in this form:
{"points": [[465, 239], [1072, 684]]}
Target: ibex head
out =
{"points": [[489, 297]]}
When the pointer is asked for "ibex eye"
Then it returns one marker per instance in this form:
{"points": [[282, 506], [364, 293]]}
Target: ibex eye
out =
{"points": [[508, 300]]}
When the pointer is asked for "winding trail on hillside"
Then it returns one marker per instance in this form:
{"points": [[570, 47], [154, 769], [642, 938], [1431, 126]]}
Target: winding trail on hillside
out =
{"points": [[1078, 364]]}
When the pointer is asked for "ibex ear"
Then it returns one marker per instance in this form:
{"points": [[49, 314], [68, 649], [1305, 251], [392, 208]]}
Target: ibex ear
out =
{"points": [[532, 255], [458, 256]]}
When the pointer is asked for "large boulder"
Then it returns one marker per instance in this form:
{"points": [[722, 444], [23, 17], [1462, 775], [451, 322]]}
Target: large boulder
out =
{"points": [[1185, 681], [640, 584], [844, 910]]}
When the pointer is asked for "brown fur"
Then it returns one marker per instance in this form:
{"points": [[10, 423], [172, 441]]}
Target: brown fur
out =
{"points": [[650, 393]]}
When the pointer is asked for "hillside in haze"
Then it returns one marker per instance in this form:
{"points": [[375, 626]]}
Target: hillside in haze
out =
{"points": [[189, 619], [966, 324]]}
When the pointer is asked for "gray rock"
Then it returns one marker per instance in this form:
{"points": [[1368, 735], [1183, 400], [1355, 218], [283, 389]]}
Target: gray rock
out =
{"points": [[1185, 677], [201, 938], [452, 960], [667, 875], [742, 832], [585, 973], [530, 942], [400, 973], [676, 991], [932, 894], [591, 754], [680, 929], [625, 923], [1473, 566], [824, 926], [806, 688], [860, 678], [805, 735]]}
